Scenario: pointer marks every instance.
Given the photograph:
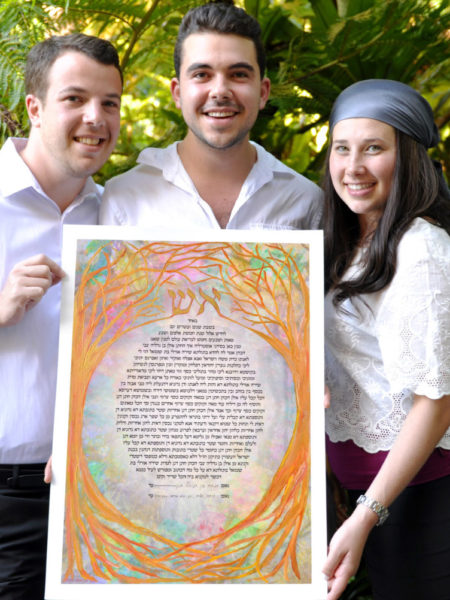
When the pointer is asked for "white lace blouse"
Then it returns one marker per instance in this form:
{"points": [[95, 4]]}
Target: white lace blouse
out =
{"points": [[380, 355]]}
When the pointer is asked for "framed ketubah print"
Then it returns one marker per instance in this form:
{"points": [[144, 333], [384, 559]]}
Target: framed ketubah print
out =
{"points": [[189, 438]]}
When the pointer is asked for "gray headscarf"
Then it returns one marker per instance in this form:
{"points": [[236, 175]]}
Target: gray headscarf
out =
{"points": [[391, 102]]}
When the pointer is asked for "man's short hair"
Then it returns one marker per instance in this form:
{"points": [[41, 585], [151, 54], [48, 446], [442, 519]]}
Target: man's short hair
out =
{"points": [[42, 56], [220, 17]]}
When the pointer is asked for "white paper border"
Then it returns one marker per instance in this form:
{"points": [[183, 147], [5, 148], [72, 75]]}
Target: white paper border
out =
{"points": [[317, 589]]}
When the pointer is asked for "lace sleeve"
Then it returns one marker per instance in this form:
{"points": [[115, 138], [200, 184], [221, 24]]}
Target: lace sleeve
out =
{"points": [[413, 322]]}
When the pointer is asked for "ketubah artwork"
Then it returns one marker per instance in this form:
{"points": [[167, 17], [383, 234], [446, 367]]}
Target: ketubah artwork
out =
{"points": [[189, 422]]}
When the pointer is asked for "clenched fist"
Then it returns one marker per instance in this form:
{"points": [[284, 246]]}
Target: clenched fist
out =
{"points": [[26, 285]]}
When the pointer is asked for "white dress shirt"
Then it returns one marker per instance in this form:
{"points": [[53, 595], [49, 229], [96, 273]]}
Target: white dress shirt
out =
{"points": [[31, 223], [158, 193]]}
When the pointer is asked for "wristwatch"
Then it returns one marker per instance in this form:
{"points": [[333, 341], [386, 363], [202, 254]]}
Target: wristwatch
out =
{"points": [[380, 510]]}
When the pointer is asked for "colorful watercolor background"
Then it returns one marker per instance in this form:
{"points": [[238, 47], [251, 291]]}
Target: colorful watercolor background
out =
{"points": [[122, 535]]}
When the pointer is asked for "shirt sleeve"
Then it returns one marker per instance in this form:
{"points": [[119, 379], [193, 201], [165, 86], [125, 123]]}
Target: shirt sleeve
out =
{"points": [[413, 322]]}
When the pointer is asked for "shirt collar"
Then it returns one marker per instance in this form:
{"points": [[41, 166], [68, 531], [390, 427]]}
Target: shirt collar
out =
{"points": [[169, 162], [16, 175]]}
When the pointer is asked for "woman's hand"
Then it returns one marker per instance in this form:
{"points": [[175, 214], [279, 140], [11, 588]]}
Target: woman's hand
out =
{"points": [[346, 548]]}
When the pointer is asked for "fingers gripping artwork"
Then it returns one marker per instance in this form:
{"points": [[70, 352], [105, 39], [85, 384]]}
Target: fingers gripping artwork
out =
{"points": [[189, 421]]}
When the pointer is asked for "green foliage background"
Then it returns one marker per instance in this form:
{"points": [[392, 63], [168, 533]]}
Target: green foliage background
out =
{"points": [[315, 49]]}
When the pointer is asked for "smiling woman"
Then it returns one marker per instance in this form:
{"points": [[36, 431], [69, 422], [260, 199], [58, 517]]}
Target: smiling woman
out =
{"points": [[362, 162], [387, 259]]}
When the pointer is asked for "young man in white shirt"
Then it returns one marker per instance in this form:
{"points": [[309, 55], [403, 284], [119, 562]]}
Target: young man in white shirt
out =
{"points": [[73, 85], [215, 177]]}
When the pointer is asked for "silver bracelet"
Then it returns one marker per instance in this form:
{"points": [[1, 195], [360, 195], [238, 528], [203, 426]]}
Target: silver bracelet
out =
{"points": [[380, 510]]}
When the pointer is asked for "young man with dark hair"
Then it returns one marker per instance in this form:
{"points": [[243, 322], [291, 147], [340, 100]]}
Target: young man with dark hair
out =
{"points": [[73, 87], [220, 17], [215, 177]]}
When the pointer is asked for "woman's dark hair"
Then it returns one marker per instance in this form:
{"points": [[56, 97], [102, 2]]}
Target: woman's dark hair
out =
{"points": [[220, 17], [418, 190]]}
